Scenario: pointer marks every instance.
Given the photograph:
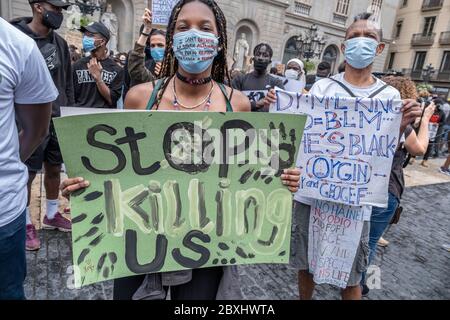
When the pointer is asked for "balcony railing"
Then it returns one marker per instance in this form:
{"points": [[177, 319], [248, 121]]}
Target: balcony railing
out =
{"points": [[429, 5], [443, 76], [418, 39], [339, 19], [417, 75], [444, 38], [302, 8]]}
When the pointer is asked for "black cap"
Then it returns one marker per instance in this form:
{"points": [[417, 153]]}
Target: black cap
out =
{"points": [[57, 3], [97, 27]]}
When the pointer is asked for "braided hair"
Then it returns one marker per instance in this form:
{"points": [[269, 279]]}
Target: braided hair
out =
{"points": [[169, 66]]}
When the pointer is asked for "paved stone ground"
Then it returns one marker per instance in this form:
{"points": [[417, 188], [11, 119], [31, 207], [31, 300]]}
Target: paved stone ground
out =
{"points": [[414, 266]]}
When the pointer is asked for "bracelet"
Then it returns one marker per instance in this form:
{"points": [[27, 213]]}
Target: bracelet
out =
{"points": [[145, 34]]}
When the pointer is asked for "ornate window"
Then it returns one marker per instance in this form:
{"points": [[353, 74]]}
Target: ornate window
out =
{"points": [[342, 7]]}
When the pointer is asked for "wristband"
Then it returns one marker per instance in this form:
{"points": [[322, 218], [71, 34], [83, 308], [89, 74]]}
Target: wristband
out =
{"points": [[145, 34]]}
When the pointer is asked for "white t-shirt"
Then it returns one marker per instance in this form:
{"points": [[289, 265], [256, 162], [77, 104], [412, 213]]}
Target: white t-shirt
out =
{"points": [[327, 87], [24, 79]]}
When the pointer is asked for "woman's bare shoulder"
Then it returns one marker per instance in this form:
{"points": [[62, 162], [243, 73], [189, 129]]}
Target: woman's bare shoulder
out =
{"points": [[239, 101], [138, 96]]}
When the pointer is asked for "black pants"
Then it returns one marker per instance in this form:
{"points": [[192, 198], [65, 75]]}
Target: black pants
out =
{"points": [[429, 150], [203, 286], [437, 141]]}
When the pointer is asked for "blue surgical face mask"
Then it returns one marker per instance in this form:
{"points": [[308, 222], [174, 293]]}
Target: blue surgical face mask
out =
{"points": [[195, 50], [360, 52], [88, 44], [157, 54]]}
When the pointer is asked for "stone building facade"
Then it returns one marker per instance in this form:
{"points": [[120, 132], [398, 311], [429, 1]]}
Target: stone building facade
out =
{"points": [[422, 39], [277, 22]]}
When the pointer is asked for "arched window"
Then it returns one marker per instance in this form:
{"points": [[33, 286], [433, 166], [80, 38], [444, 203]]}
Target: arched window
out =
{"points": [[290, 50], [331, 55], [124, 9]]}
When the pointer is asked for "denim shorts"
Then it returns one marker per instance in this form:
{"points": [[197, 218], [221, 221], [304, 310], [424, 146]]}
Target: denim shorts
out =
{"points": [[299, 244]]}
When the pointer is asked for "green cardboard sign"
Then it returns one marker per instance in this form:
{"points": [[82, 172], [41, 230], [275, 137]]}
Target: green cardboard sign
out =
{"points": [[178, 190]]}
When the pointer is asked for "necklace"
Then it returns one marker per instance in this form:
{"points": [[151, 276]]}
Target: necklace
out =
{"points": [[177, 103], [193, 82]]}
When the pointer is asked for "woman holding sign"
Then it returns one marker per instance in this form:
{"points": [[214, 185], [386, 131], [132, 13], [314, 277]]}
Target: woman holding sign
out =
{"points": [[192, 80], [151, 43]]}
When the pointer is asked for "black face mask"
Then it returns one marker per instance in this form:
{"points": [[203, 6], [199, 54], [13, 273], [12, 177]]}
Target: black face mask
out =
{"points": [[52, 20], [260, 66]]}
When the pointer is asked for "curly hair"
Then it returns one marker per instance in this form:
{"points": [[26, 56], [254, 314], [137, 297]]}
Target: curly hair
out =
{"points": [[404, 85], [169, 67]]}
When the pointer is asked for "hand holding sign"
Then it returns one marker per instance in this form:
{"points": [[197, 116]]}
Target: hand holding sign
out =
{"points": [[411, 110], [270, 98], [70, 186], [291, 179], [147, 20]]}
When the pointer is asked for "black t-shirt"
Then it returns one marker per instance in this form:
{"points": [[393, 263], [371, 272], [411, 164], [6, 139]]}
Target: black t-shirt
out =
{"points": [[253, 82], [86, 91], [397, 180], [56, 54]]}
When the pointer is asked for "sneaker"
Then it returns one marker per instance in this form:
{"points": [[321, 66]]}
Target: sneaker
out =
{"points": [[444, 171], [32, 242], [383, 243], [365, 290], [59, 222]]}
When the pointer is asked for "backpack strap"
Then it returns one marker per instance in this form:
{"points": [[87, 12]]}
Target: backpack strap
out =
{"points": [[377, 92], [350, 92], [156, 89]]}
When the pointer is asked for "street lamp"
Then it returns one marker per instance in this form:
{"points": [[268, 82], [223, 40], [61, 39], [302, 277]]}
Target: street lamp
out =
{"points": [[310, 44], [427, 73], [88, 6]]}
